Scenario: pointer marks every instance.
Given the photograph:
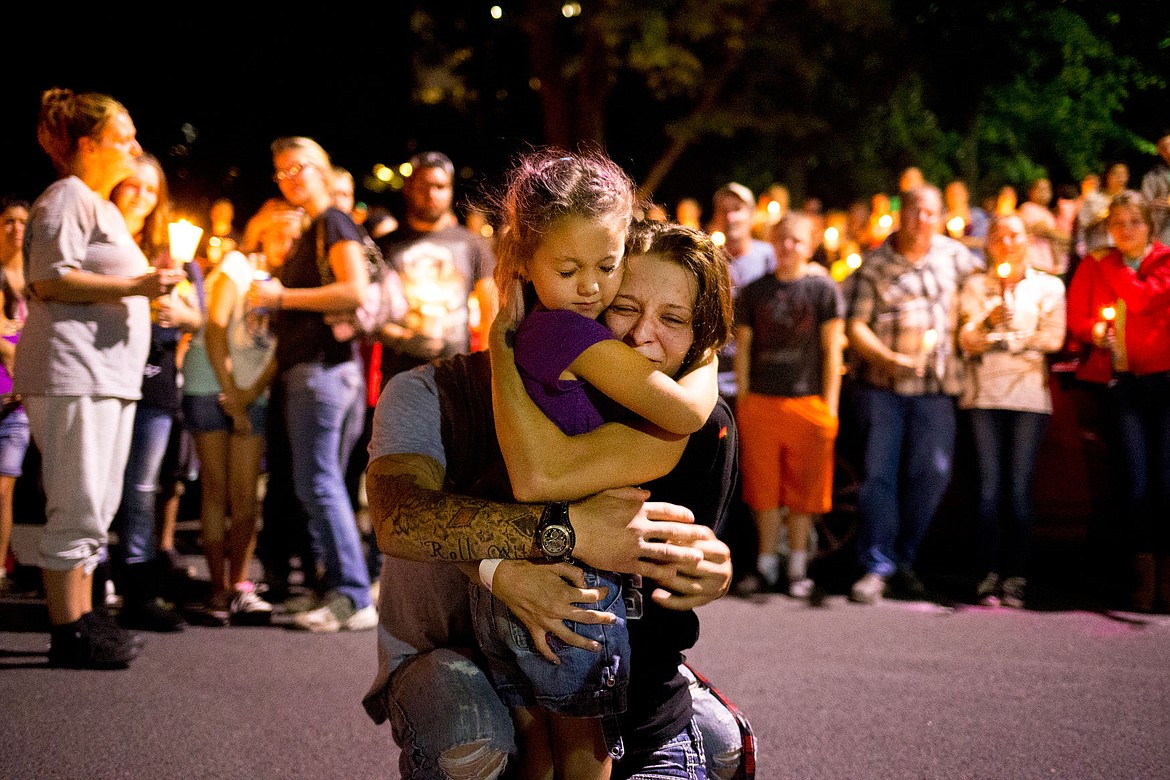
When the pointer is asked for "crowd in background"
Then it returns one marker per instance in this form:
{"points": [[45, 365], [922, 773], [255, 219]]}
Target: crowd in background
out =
{"points": [[907, 315]]}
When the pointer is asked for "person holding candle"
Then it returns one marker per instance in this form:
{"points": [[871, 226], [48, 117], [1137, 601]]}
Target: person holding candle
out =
{"points": [[80, 359], [143, 200], [1129, 353], [321, 377], [902, 307], [1009, 319]]}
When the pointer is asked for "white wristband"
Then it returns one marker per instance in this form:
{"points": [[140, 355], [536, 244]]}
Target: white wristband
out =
{"points": [[487, 571]]}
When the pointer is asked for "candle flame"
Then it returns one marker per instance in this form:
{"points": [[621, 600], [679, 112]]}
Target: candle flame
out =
{"points": [[184, 239], [930, 339], [1108, 314], [1004, 270]]}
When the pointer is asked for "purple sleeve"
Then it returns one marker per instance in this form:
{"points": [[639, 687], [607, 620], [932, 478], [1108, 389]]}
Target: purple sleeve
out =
{"points": [[547, 342]]}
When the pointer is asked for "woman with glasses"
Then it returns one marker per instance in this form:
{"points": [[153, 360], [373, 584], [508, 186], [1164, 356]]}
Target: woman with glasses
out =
{"points": [[321, 377]]}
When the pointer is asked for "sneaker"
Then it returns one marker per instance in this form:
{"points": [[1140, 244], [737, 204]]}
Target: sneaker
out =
{"points": [[800, 589], [337, 613], [1013, 592], [151, 615], [868, 589], [248, 609], [987, 592], [305, 602], [905, 585]]}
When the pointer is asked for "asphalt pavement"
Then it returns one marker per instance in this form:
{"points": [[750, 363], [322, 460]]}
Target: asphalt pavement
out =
{"points": [[1069, 688]]}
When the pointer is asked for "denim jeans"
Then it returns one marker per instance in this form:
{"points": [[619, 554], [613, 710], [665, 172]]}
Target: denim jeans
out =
{"points": [[585, 684], [324, 407], [1141, 406], [909, 451], [440, 702], [681, 758], [136, 516], [1006, 445]]}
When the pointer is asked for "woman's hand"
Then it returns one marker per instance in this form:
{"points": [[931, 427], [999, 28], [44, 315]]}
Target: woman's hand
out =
{"points": [[156, 282], [698, 583], [266, 294], [1104, 336], [973, 339], [544, 595]]}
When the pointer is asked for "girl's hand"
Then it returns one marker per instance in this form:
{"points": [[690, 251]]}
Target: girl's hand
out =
{"points": [[508, 318], [543, 596]]}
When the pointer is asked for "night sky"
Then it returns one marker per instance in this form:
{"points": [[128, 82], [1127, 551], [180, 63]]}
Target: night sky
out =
{"points": [[211, 115]]}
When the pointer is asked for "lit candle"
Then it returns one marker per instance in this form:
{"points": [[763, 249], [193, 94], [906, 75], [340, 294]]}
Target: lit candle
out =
{"points": [[832, 239], [1003, 270], [1108, 314], [929, 340], [184, 238], [955, 226]]}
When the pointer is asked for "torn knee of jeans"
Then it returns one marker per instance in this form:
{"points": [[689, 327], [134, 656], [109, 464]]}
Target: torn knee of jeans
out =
{"points": [[725, 764], [474, 761]]}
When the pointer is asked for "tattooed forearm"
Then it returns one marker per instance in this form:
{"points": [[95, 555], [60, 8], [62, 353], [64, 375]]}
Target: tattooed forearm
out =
{"points": [[414, 519]]}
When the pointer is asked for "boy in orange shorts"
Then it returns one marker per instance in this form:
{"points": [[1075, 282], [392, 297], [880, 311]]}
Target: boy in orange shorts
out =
{"points": [[790, 331]]}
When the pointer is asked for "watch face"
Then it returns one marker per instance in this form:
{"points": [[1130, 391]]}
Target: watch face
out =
{"points": [[554, 540]]}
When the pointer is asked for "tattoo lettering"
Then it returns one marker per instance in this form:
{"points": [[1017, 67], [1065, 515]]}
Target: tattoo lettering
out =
{"points": [[414, 519]]}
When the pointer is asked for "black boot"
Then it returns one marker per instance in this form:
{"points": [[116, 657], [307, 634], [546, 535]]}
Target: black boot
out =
{"points": [[141, 606]]}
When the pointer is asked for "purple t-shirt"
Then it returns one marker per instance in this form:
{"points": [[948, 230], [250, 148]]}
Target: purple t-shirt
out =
{"points": [[547, 343]]}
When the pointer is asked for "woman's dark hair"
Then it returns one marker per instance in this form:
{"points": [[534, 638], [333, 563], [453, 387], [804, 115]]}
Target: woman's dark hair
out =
{"points": [[708, 263]]}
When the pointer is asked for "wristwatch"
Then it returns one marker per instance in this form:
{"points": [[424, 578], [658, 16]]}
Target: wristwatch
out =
{"points": [[554, 533]]}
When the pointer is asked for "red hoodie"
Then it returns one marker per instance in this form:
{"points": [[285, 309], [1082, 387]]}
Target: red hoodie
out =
{"points": [[1142, 303]]}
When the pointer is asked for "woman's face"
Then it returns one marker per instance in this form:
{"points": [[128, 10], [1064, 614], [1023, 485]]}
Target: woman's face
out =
{"points": [[137, 195], [115, 149], [1129, 231], [12, 224], [654, 310], [299, 177]]}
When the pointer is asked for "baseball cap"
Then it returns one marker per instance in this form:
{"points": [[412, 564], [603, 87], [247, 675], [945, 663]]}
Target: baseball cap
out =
{"points": [[739, 191]]}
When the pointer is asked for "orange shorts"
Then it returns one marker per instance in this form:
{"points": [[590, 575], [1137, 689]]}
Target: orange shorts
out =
{"points": [[786, 451]]}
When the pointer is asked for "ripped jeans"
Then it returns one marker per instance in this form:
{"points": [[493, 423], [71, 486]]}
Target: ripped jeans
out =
{"points": [[451, 725]]}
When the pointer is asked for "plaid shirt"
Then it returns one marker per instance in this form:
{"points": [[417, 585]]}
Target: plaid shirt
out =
{"points": [[900, 301]]}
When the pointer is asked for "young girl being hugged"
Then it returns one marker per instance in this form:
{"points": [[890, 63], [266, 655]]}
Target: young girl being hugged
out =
{"points": [[564, 221]]}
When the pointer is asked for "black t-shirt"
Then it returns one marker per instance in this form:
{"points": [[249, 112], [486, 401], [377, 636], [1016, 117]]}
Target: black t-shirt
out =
{"points": [[160, 384], [703, 481], [786, 319], [303, 336], [659, 698], [439, 270]]}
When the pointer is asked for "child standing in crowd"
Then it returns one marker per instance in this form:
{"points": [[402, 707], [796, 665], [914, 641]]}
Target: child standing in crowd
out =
{"points": [[790, 329], [565, 219]]}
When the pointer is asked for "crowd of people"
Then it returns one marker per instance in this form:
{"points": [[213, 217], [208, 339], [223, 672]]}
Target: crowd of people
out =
{"points": [[578, 410]]}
